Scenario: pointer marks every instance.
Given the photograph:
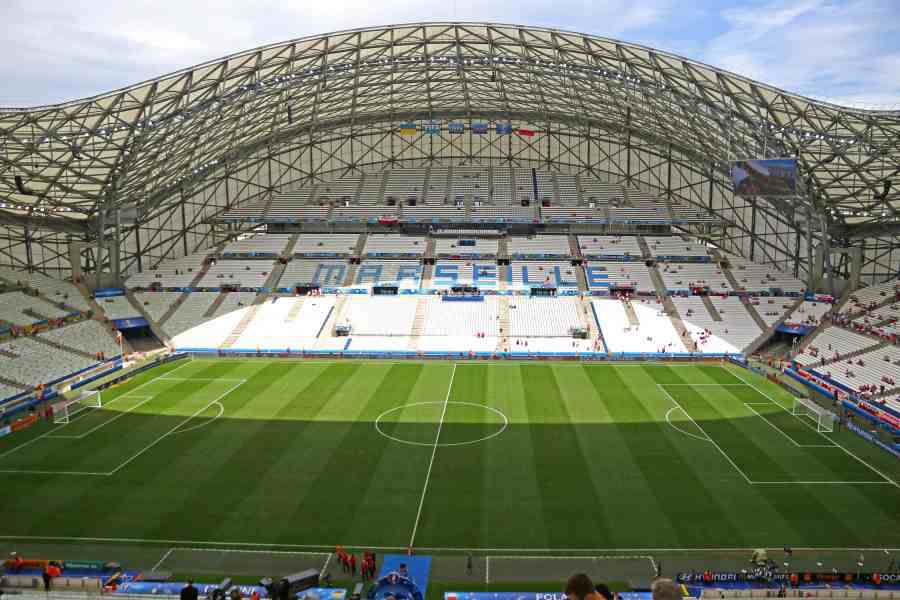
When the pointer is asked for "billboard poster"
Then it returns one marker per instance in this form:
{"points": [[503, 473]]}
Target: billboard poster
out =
{"points": [[504, 128], [479, 128], [765, 177], [408, 128]]}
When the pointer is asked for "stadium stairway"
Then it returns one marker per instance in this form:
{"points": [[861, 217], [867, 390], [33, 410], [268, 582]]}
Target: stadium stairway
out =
{"points": [[427, 275], [333, 317], [645, 250], [63, 347], [200, 274], [215, 305], [504, 317], [289, 249], [678, 324], [154, 327], [243, 324], [429, 247], [351, 275], [418, 322], [172, 309], [574, 249], [274, 276], [629, 312], [361, 244], [711, 309], [503, 247], [753, 313], [295, 309], [769, 331]]}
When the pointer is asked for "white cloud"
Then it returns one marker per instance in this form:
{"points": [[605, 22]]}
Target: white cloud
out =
{"points": [[839, 50]]}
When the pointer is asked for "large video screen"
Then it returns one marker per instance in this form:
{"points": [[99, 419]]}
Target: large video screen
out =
{"points": [[765, 177]]}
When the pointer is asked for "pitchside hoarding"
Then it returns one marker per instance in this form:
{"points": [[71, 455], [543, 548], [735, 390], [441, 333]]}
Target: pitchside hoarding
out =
{"points": [[765, 177]]}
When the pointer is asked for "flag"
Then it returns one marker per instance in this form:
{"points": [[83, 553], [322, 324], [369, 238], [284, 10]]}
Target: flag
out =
{"points": [[408, 128], [456, 127], [432, 127], [525, 132], [479, 128], [504, 128]]}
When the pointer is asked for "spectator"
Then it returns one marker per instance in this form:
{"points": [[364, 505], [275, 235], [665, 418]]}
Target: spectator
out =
{"points": [[579, 587], [189, 592], [665, 589], [603, 592]]}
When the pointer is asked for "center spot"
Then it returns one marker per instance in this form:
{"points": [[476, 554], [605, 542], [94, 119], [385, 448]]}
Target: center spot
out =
{"points": [[464, 423]]}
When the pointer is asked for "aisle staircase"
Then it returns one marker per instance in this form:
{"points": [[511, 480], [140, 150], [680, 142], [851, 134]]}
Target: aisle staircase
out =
{"points": [[711, 309], [241, 327], [215, 305], [173, 309], [754, 313], [361, 244], [503, 247], [429, 247], [335, 317], [629, 312], [503, 339], [645, 249], [427, 275], [351, 275], [574, 249], [418, 326], [295, 309], [274, 277], [154, 326], [769, 331], [200, 274], [292, 243]]}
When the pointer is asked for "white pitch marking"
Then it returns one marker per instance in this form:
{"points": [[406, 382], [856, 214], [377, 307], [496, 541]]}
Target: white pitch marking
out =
{"points": [[679, 429], [434, 448], [162, 437], [549, 551], [712, 441], [778, 429], [879, 473], [221, 412], [162, 560]]}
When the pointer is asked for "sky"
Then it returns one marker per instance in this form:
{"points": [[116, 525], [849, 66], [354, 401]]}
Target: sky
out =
{"points": [[843, 51]]}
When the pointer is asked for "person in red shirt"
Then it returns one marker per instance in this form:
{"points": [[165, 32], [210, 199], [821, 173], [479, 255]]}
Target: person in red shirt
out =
{"points": [[17, 562], [353, 564]]}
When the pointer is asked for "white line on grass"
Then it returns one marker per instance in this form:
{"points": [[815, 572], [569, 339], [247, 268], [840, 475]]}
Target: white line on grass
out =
{"points": [[434, 448], [849, 453], [325, 566], [679, 429], [104, 423], [778, 429], [165, 435], [712, 441], [549, 551], [129, 460], [204, 424], [162, 560]]}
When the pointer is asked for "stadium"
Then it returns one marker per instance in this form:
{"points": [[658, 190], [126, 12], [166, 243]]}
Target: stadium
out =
{"points": [[496, 303]]}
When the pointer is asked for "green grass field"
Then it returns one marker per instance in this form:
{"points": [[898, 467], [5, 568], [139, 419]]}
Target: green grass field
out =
{"points": [[536, 457]]}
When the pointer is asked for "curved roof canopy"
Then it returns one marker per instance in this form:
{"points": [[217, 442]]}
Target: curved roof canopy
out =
{"points": [[140, 144]]}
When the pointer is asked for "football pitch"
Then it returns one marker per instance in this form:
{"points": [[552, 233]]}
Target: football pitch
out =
{"points": [[537, 458]]}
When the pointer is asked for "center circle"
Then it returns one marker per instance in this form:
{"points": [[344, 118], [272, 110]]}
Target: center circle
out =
{"points": [[383, 420]]}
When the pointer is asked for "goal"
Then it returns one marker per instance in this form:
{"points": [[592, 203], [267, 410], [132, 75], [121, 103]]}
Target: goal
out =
{"points": [[824, 418], [64, 411]]}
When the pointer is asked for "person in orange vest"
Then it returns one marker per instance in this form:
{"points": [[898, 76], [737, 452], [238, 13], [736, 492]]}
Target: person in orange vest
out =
{"points": [[876, 578], [50, 573]]}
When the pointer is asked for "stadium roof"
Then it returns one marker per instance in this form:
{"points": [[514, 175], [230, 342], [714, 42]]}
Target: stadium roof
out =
{"points": [[139, 145]]}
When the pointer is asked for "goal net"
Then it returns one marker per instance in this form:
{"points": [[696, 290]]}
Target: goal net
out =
{"points": [[64, 411], [824, 418]]}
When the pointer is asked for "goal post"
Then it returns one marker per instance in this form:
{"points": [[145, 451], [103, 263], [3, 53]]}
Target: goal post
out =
{"points": [[806, 408], [64, 410]]}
